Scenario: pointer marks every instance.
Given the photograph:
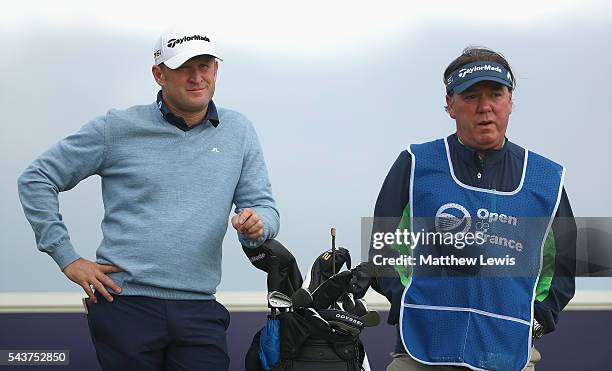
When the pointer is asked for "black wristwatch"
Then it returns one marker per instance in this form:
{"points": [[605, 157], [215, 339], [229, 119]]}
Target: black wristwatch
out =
{"points": [[537, 331]]}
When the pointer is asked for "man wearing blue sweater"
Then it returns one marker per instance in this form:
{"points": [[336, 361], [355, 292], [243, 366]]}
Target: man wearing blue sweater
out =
{"points": [[170, 172]]}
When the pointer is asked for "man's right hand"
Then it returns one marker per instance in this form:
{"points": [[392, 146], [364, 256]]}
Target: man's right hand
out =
{"points": [[86, 274]]}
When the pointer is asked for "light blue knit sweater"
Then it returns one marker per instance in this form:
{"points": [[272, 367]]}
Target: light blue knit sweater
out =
{"points": [[167, 197]]}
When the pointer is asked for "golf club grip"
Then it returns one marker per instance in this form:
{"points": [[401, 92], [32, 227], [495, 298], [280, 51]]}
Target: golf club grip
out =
{"points": [[274, 274], [333, 237]]}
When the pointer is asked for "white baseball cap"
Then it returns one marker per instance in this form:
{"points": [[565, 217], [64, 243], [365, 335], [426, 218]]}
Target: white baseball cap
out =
{"points": [[174, 47]]}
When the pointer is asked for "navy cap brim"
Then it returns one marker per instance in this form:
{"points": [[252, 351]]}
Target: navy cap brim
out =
{"points": [[464, 86]]}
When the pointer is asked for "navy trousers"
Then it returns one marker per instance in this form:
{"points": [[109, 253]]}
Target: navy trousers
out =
{"points": [[140, 333]]}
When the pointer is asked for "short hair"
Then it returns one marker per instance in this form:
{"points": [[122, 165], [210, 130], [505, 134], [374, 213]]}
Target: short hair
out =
{"points": [[477, 53]]}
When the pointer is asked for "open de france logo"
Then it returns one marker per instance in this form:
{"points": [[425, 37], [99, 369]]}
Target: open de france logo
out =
{"points": [[453, 218]]}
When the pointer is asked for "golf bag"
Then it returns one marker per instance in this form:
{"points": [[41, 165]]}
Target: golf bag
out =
{"points": [[319, 328], [314, 353]]}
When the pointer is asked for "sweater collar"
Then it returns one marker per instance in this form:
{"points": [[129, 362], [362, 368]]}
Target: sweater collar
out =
{"points": [[179, 122]]}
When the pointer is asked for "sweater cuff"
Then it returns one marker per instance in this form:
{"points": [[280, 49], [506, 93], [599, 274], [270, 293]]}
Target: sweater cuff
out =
{"points": [[245, 241], [64, 253]]}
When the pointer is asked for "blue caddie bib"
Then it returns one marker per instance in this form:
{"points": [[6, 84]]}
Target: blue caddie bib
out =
{"points": [[477, 314]]}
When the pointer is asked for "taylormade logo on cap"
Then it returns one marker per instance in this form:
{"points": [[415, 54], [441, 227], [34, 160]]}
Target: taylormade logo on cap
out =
{"points": [[472, 73], [486, 67], [175, 47], [172, 42]]}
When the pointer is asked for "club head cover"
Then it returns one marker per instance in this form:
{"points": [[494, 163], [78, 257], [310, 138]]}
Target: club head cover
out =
{"points": [[344, 321], [363, 274], [360, 308], [322, 269], [321, 329], [347, 302], [330, 290], [290, 277], [344, 329], [301, 298], [273, 279]]}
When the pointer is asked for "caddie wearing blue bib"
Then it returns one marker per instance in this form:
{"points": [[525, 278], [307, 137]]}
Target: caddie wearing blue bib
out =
{"points": [[479, 303]]}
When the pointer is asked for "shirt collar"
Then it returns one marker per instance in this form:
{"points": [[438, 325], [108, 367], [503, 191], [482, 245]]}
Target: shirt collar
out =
{"points": [[491, 156], [179, 122]]}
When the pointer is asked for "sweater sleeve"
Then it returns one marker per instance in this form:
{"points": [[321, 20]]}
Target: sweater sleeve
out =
{"points": [[557, 284], [255, 191], [59, 169], [392, 200]]}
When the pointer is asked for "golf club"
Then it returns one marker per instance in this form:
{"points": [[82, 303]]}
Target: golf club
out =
{"points": [[370, 319], [333, 241], [278, 300]]}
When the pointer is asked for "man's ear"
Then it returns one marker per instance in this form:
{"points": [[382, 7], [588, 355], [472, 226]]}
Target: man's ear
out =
{"points": [[511, 102], [216, 67], [158, 75], [449, 105]]}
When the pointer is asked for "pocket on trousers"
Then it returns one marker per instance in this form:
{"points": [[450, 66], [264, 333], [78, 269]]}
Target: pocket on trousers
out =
{"points": [[226, 313], [85, 302]]}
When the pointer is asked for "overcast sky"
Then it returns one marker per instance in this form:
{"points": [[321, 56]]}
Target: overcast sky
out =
{"points": [[335, 89]]}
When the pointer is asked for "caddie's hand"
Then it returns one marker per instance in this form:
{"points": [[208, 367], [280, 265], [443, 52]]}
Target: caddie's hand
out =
{"points": [[248, 223], [88, 274]]}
